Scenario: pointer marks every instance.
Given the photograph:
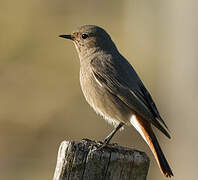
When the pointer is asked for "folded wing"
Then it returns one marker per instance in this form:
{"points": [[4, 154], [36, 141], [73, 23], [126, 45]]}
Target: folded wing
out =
{"points": [[121, 80]]}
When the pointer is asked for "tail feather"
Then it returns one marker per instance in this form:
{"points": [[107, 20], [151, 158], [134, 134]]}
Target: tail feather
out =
{"points": [[159, 155], [144, 128]]}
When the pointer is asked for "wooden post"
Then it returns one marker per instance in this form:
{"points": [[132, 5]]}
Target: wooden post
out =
{"points": [[84, 161]]}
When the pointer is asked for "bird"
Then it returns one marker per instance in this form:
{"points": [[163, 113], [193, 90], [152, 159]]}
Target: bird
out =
{"points": [[114, 90]]}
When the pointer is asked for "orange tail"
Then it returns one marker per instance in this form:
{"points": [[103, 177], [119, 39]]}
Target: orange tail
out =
{"points": [[147, 133]]}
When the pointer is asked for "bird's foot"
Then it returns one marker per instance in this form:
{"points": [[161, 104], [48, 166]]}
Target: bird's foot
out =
{"points": [[102, 145]]}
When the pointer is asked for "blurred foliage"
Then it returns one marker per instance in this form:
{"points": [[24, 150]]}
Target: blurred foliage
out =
{"points": [[41, 101]]}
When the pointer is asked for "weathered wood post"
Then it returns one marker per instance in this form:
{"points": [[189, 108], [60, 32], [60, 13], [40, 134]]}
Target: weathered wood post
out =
{"points": [[83, 161]]}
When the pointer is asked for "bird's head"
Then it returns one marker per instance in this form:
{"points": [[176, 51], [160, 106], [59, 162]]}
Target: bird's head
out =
{"points": [[90, 38]]}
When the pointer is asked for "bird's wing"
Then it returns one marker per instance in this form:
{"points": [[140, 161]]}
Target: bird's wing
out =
{"points": [[124, 83], [143, 94]]}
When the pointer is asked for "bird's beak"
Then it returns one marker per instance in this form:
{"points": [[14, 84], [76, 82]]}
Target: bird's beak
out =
{"points": [[66, 36]]}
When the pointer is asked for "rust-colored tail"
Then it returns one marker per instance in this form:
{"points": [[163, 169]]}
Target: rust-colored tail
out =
{"points": [[152, 141]]}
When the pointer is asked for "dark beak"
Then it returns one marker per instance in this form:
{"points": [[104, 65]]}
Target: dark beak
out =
{"points": [[66, 36]]}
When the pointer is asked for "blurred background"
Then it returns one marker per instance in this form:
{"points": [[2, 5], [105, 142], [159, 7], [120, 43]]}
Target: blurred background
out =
{"points": [[41, 103]]}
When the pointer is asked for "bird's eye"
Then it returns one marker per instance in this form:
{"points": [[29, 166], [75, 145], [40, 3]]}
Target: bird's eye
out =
{"points": [[84, 36]]}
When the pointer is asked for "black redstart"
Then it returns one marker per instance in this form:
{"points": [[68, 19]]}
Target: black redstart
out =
{"points": [[113, 89]]}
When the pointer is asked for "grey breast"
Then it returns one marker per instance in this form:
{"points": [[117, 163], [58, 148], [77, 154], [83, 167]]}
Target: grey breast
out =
{"points": [[100, 99]]}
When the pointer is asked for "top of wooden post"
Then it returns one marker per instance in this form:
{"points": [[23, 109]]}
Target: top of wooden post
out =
{"points": [[84, 161]]}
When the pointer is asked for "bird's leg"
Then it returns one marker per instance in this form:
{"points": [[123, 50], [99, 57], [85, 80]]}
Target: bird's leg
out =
{"points": [[109, 137]]}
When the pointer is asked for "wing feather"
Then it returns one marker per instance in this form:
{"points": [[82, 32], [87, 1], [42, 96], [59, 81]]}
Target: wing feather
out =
{"points": [[127, 86]]}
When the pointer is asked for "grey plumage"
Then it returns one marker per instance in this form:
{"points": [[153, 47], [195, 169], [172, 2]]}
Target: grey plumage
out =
{"points": [[112, 87], [120, 79]]}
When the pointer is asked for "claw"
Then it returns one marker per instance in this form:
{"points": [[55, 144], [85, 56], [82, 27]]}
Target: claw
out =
{"points": [[102, 146]]}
